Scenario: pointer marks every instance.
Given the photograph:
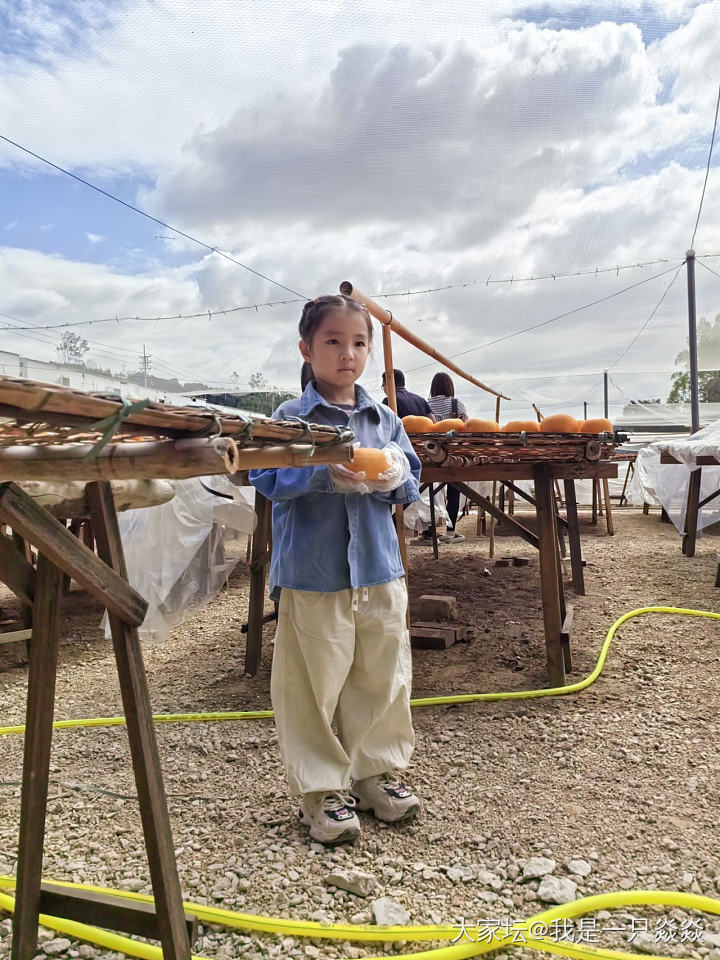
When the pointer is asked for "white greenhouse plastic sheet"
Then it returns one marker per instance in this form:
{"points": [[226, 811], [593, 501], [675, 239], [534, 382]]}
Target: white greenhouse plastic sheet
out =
{"points": [[666, 484], [175, 552]]}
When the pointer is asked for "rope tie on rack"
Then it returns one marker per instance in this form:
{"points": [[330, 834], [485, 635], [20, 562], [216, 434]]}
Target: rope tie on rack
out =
{"points": [[110, 426]]}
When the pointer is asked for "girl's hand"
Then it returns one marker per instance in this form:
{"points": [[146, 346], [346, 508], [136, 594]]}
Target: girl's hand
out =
{"points": [[345, 480], [396, 474]]}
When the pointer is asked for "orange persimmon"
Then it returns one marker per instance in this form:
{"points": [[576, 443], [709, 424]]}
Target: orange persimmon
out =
{"points": [[481, 426], [414, 424], [599, 425], [443, 426], [517, 426], [559, 423], [371, 461]]}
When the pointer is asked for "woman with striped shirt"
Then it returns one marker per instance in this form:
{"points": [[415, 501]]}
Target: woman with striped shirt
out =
{"points": [[444, 404]]}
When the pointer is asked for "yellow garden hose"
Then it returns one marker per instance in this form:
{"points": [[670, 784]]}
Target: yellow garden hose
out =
{"points": [[457, 951]]}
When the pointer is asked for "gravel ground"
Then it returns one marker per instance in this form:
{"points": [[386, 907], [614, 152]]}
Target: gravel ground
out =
{"points": [[525, 803]]}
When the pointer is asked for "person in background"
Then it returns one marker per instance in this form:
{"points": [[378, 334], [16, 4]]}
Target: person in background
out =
{"points": [[444, 404], [408, 404]]}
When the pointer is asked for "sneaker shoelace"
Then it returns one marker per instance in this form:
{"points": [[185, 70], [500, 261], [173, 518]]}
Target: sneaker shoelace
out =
{"points": [[390, 779], [337, 801]]}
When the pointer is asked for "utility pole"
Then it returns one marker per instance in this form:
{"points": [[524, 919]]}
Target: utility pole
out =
{"points": [[584, 409], [145, 363], [605, 393], [692, 343]]}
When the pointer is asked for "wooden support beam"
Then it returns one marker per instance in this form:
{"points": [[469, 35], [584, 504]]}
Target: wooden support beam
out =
{"points": [[608, 507], [549, 576], [103, 910], [57, 543], [15, 572], [494, 511], [141, 734], [691, 513], [36, 758], [14, 636], [258, 575], [433, 528], [576, 560], [565, 634], [520, 470]]}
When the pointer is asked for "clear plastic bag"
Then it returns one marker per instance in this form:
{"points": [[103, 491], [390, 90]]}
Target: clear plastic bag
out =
{"points": [[175, 553]]}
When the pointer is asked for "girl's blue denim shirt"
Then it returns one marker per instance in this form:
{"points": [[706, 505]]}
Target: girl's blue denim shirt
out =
{"points": [[327, 541]]}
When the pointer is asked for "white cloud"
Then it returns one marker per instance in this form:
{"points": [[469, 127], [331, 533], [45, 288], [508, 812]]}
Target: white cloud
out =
{"points": [[429, 151]]}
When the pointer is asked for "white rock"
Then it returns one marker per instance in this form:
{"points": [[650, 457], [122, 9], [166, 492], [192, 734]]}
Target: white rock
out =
{"points": [[537, 867], [488, 879], [712, 938], [389, 913], [354, 881], [58, 945], [645, 943], [557, 890], [133, 884], [581, 867]]}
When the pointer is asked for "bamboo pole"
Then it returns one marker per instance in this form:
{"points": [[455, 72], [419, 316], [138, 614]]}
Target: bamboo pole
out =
{"points": [[491, 546], [392, 403], [167, 459], [387, 319]]}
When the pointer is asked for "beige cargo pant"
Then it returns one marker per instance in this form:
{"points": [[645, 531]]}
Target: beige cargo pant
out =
{"points": [[342, 657]]}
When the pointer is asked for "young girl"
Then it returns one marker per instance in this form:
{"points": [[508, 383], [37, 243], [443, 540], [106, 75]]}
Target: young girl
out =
{"points": [[342, 649]]}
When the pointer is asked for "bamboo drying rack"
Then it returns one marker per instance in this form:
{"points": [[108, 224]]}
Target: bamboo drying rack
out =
{"points": [[457, 449], [51, 432]]}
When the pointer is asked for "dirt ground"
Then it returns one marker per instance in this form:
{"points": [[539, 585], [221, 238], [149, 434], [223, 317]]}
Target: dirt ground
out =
{"points": [[623, 776]]}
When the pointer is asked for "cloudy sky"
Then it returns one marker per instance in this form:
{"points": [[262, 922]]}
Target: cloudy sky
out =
{"points": [[402, 146]]}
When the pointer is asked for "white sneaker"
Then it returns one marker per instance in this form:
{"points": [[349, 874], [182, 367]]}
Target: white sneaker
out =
{"points": [[331, 817], [387, 796]]}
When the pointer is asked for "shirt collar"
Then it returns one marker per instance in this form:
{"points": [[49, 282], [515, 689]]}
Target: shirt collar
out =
{"points": [[312, 399]]}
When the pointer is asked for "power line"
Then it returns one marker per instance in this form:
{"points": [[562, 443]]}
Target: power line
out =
{"points": [[149, 216], [532, 279], [652, 314], [709, 268], [209, 314], [561, 316], [707, 169]]}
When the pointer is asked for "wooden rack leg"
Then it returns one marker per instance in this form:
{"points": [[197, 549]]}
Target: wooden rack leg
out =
{"points": [[36, 761], [594, 518], [491, 538], [574, 538], [608, 508], [433, 528], [25, 608], [565, 620], [628, 475], [143, 745], [691, 513], [549, 575], [258, 562]]}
